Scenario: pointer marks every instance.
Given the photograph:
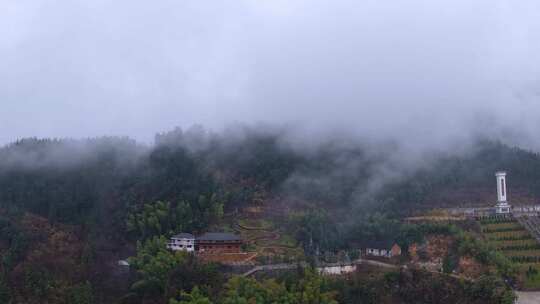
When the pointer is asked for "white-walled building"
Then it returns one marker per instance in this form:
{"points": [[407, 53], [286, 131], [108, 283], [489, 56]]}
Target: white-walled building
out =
{"points": [[183, 242], [385, 249], [336, 269]]}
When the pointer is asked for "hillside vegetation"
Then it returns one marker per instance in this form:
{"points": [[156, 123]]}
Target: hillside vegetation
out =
{"points": [[95, 199]]}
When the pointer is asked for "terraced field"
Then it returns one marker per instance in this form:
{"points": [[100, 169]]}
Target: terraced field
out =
{"points": [[268, 241], [515, 235], [513, 244], [510, 237], [502, 226]]}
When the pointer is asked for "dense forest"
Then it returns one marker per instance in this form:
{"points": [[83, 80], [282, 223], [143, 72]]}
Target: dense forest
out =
{"points": [[70, 209]]}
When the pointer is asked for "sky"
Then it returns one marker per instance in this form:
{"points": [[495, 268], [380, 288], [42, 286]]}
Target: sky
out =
{"points": [[424, 73]]}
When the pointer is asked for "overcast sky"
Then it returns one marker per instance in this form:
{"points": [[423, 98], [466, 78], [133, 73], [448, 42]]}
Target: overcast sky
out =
{"points": [[428, 71]]}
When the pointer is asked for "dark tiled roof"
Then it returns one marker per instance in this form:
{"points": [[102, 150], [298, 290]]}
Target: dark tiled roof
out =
{"points": [[184, 236], [218, 236]]}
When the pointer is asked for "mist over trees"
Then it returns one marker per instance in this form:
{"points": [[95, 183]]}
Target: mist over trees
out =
{"points": [[110, 192], [72, 180]]}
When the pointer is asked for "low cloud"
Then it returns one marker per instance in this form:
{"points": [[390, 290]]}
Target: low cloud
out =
{"points": [[429, 75]]}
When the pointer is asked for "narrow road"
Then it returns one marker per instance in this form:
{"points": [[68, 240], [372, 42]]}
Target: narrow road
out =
{"points": [[532, 224], [528, 297], [376, 263], [272, 267]]}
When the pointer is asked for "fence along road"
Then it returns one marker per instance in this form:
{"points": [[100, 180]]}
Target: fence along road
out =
{"points": [[531, 224]]}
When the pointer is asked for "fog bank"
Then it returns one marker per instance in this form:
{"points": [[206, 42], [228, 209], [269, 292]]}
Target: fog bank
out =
{"points": [[422, 73]]}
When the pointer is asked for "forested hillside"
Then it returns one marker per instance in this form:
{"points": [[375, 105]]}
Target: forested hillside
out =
{"points": [[84, 204]]}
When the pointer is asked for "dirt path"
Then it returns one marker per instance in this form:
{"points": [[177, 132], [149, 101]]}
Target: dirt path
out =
{"points": [[376, 263], [270, 236], [252, 228]]}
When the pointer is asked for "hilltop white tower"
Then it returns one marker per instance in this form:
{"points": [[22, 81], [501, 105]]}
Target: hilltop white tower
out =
{"points": [[502, 205]]}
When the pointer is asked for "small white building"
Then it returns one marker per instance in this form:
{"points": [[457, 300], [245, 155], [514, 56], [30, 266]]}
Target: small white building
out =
{"points": [[386, 249], [336, 269], [123, 263], [182, 242]]}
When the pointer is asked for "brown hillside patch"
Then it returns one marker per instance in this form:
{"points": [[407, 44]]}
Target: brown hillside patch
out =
{"points": [[55, 251], [477, 197], [432, 253], [50, 260], [470, 268], [437, 247]]}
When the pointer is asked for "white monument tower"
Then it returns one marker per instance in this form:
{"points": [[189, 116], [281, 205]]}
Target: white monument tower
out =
{"points": [[502, 206]]}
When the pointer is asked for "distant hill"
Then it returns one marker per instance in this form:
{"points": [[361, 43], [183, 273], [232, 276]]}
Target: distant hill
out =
{"points": [[72, 180], [104, 190]]}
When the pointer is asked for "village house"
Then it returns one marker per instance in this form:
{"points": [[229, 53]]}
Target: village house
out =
{"points": [[386, 249], [182, 242], [210, 242], [217, 242]]}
